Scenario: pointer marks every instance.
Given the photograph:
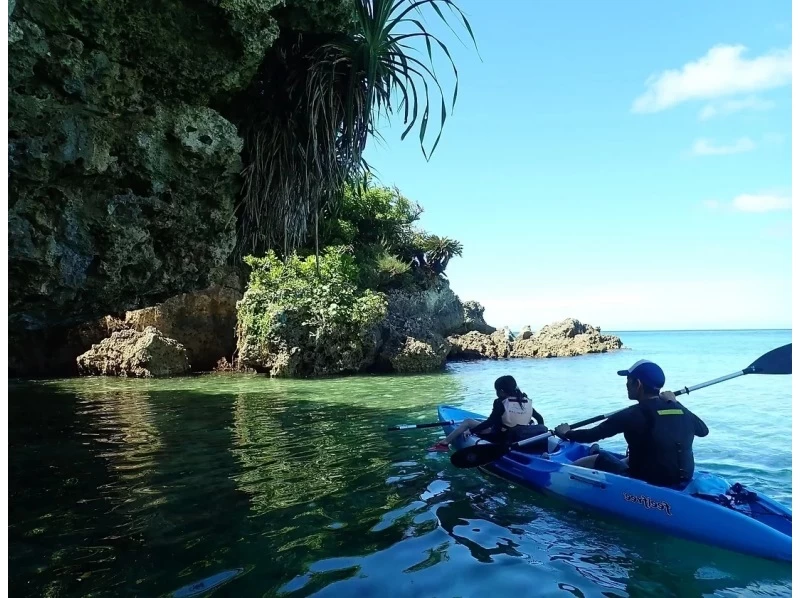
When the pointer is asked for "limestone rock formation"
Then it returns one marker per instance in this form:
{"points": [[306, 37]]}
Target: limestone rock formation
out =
{"points": [[567, 338], [473, 319], [475, 345], [409, 337], [129, 353], [123, 169], [416, 356], [204, 322]]}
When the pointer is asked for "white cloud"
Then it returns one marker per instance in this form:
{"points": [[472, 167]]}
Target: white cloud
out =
{"points": [[774, 138], [707, 147], [762, 203], [753, 203], [721, 72], [729, 107]]}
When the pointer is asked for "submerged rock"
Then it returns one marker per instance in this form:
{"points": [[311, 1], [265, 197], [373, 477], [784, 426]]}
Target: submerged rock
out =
{"points": [[146, 354]]}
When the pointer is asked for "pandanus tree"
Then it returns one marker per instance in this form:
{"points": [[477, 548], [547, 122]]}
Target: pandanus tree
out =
{"points": [[315, 104]]}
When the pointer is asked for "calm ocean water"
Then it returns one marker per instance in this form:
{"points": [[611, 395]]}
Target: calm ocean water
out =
{"points": [[139, 488]]}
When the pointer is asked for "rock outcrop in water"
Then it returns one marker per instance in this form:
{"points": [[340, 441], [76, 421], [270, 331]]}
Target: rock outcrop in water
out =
{"points": [[567, 338], [475, 345], [204, 322], [147, 354], [409, 337]]}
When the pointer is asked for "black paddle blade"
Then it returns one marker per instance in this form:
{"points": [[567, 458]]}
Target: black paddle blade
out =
{"points": [[477, 455], [777, 361]]}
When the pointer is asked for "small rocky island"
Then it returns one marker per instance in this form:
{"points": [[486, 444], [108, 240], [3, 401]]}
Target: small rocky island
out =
{"points": [[420, 332]]}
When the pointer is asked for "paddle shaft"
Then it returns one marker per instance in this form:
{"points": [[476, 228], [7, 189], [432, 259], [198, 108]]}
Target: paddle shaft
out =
{"points": [[684, 391], [418, 426], [687, 389]]}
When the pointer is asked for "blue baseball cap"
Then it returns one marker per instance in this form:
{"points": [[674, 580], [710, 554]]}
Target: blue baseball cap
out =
{"points": [[647, 372]]}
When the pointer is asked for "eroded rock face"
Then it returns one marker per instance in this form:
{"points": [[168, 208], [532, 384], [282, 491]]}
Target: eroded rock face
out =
{"points": [[475, 345], [130, 353], [473, 319], [122, 177], [419, 356], [122, 170], [204, 322]]}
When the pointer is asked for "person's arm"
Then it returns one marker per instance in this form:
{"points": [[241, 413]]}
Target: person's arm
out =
{"points": [[539, 419], [495, 418], [700, 428], [616, 424]]}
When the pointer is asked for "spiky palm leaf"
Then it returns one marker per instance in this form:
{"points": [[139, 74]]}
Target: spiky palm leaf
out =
{"points": [[304, 145]]}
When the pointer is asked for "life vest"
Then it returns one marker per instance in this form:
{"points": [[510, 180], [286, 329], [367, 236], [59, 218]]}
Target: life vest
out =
{"points": [[517, 411], [663, 454]]}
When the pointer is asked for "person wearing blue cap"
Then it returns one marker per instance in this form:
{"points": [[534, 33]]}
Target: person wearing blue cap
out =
{"points": [[658, 429]]}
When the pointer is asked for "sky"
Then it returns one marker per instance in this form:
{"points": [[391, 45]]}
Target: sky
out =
{"points": [[624, 163]]}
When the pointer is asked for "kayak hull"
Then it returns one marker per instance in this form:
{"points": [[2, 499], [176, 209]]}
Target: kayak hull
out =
{"points": [[758, 526]]}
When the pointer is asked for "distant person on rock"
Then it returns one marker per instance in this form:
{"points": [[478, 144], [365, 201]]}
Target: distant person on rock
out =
{"points": [[510, 420], [658, 429]]}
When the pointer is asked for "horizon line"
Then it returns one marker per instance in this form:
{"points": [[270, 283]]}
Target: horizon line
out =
{"points": [[621, 330], [701, 330]]}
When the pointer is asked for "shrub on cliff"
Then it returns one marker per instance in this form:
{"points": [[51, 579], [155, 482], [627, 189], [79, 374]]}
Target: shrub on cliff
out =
{"points": [[295, 323], [379, 223]]}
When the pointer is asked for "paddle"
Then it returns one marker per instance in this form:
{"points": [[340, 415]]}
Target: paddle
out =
{"points": [[775, 362], [417, 426]]}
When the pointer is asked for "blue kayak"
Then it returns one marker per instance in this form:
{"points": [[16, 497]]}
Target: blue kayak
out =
{"points": [[708, 510]]}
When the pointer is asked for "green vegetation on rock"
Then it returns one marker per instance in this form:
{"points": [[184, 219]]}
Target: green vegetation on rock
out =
{"points": [[378, 302], [379, 223], [296, 323]]}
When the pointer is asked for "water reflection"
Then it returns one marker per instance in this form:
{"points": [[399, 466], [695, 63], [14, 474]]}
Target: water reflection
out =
{"points": [[139, 487]]}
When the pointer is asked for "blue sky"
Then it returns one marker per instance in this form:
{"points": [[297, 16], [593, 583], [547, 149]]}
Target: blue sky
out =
{"points": [[625, 163]]}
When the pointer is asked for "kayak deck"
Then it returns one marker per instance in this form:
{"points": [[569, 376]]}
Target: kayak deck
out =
{"points": [[709, 510]]}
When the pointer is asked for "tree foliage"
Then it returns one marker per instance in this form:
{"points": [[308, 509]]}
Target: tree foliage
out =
{"points": [[307, 117]]}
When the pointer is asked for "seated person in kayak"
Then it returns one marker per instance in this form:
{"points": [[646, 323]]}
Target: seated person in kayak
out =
{"points": [[658, 429], [512, 413]]}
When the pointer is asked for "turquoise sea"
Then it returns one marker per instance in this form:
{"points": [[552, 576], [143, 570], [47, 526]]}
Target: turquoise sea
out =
{"points": [[141, 488]]}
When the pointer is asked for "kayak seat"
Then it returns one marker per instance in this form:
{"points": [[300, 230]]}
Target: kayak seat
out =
{"points": [[706, 483]]}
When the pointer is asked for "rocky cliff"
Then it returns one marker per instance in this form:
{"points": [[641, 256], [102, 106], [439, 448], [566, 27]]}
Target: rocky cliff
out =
{"points": [[123, 171]]}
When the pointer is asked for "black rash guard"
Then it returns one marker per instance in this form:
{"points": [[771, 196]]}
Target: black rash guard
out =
{"points": [[659, 434]]}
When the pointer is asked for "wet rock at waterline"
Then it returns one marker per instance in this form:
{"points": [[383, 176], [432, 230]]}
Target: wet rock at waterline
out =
{"points": [[130, 353]]}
